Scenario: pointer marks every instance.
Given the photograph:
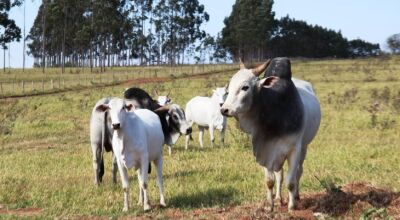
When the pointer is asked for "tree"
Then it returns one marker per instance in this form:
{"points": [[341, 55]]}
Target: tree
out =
{"points": [[9, 30], [393, 43], [247, 28]]}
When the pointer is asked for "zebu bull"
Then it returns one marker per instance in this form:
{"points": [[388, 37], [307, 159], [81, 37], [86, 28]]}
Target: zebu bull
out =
{"points": [[205, 112], [172, 117], [282, 117], [137, 140]]}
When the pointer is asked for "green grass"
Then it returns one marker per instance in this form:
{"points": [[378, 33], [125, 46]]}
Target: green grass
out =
{"points": [[45, 156]]}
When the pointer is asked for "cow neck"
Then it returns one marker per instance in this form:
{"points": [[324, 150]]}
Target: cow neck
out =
{"points": [[276, 111]]}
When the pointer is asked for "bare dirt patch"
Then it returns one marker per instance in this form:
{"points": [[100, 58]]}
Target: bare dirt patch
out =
{"points": [[352, 202], [23, 212]]}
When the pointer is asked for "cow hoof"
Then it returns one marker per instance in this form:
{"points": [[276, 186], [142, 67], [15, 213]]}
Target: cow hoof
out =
{"points": [[125, 209], [279, 201], [139, 203], [147, 207], [291, 208]]}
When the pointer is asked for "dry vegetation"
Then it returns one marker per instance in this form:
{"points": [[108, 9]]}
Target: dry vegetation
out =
{"points": [[351, 170]]}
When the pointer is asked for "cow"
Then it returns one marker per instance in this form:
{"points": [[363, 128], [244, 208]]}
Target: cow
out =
{"points": [[282, 117], [172, 116], [137, 140], [101, 140], [205, 112]]}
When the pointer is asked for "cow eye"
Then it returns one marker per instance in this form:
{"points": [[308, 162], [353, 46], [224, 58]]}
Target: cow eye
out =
{"points": [[245, 88], [175, 117]]}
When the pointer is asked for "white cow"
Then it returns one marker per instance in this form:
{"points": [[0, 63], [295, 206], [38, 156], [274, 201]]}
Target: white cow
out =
{"points": [[137, 140], [282, 115], [205, 112]]}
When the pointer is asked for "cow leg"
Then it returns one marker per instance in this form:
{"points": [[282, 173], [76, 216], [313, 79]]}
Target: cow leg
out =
{"points": [[201, 135], [140, 181], [279, 180], [211, 128], [300, 170], [270, 180], [223, 137], [159, 163], [187, 141], [97, 163], [114, 169], [291, 178], [169, 150], [144, 184], [125, 184]]}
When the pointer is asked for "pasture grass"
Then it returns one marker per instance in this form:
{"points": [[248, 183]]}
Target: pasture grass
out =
{"points": [[46, 162]]}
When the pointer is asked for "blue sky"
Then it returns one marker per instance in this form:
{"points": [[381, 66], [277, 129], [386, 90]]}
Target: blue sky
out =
{"points": [[370, 20]]}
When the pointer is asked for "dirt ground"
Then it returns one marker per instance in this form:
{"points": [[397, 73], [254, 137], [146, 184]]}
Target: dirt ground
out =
{"points": [[352, 201]]}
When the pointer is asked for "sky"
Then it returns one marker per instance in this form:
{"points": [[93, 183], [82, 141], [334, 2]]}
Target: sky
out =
{"points": [[370, 20]]}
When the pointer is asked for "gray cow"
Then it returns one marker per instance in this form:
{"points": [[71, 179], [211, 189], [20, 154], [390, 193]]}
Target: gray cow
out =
{"points": [[281, 115]]}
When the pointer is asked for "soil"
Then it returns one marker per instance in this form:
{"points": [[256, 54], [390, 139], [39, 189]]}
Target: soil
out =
{"points": [[350, 202]]}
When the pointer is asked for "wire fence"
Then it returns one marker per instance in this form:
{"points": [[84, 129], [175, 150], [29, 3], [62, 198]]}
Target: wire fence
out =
{"points": [[35, 83]]}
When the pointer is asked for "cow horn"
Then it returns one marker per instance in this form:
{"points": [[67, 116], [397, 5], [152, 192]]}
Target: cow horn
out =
{"points": [[162, 109], [169, 92], [156, 92], [242, 66], [258, 70]]}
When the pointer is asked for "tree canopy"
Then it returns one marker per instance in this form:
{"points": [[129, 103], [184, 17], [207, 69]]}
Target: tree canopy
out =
{"points": [[115, 32], [9, 31], [252, 32]]}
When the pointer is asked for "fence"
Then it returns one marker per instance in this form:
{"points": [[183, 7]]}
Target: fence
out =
{"points": [[37, 83]]}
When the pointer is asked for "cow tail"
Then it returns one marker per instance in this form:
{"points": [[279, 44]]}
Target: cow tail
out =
{"points": [[103, 138]]}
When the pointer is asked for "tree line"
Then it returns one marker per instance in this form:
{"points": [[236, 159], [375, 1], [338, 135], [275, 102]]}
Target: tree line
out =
{"points": [[252, 32], [103, 33], [115, 32]]}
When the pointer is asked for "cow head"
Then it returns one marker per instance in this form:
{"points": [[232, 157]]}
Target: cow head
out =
{"points": [[220, 95], [176, 118], [242, 87], [116, 108], [163, 99]]}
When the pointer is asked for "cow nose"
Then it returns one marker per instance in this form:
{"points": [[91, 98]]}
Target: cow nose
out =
{"points": [[116, 126], [224, 111], [221, 104], [188, 131]]}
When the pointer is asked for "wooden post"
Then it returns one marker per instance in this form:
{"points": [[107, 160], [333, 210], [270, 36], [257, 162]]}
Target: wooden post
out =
{"points": [[23, 87], [33, 87], [52, 84], [59, 82], [13, 85], [42, 85], [1, 87]]}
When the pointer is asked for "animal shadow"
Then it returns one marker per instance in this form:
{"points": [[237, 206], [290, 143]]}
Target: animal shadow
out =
{"points": [[208, 198]]}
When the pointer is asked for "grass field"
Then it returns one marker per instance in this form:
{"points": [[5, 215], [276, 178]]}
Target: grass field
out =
{"points": [[45, 156]]}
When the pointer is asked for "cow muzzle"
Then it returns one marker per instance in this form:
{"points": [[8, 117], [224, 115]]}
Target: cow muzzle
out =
{"points": [[225, 112], [188, 131], [116, 126]]}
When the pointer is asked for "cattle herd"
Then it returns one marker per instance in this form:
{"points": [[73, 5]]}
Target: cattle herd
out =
{"points": [[280, 113]]}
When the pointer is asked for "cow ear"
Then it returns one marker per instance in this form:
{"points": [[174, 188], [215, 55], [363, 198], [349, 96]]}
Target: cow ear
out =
{"points": [[129, 107], [268, 82], [102, 108]]}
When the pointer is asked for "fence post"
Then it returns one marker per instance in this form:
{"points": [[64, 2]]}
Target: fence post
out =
{"points": [[1, 87], [33, 86], [52, 84], [23, 87], [42, 85], [13, 86]]}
